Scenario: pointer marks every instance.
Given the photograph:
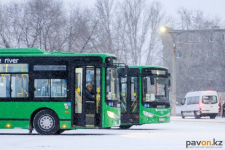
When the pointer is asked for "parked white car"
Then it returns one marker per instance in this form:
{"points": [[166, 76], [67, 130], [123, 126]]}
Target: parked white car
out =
{"points": [[200, 103]]}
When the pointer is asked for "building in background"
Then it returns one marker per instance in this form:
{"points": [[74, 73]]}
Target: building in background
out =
{"points": [[200, 60]]}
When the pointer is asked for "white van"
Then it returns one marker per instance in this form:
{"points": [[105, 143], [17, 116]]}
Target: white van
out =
{"points": [[200, 103]]}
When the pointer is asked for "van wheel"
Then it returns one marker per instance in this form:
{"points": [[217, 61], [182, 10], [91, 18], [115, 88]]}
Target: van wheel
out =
{"points": [[46, 122], [196, 116], [182, 115], [212, 116]]}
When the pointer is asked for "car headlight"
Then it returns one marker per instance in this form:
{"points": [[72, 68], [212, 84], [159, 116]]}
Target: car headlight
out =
{"points": [[111, 115], [148, 114]]}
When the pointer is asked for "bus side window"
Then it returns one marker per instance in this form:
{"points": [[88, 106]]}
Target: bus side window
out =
{"points": [[42, 87], [4, 85]]}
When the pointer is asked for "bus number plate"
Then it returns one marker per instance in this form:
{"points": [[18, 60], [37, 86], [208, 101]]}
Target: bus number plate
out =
{"points": [[161, 106], [161, 119]]}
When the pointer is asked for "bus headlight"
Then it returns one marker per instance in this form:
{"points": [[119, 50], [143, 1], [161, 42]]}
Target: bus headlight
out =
{"points": [[148, 114], [111, 115], [168, 115]]}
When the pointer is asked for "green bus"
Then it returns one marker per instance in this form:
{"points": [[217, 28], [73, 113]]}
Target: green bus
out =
{"points": [[47, 91], [144, 95]]}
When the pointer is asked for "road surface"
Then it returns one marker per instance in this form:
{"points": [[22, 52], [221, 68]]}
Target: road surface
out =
{"points": [[173, 135]]}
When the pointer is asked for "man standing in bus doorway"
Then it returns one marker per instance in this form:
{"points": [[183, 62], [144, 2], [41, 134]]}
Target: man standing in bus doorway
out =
{"points": [[223, 109], [88, 95]]}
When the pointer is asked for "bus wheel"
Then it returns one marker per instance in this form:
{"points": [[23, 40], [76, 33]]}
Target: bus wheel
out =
{"points": [[60, 131], [46, 122], [182, 115], [125, 126], [212, 116], [196, 116]]}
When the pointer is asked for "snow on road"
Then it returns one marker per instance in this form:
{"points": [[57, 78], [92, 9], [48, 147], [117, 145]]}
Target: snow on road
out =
{"points": [[171, 135]]}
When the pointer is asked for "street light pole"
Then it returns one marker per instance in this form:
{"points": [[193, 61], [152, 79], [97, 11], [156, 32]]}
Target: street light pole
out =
{"points": [[174, 86]]}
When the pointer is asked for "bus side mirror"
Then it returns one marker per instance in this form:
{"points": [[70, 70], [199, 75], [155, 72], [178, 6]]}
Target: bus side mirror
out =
{"points": [[169, 83], [122, 72], [126, 69]]}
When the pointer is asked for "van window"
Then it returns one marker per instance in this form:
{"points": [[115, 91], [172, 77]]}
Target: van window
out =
{"points": [[209, 99], [193, 100], [196, 100], [188, 100]]}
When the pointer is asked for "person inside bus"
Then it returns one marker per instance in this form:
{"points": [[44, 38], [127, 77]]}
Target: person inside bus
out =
{"points": [[88, 94]]}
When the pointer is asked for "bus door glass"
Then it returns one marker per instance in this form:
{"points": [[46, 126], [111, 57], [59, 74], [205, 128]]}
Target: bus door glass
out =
{"points": [[98, 97], [90, 92], [134, 95], [87, 96], [134, 100], [123, 94], [79, 102]]}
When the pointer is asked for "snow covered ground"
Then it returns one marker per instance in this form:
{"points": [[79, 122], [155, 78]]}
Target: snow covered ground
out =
{"points": [[171, 135]]}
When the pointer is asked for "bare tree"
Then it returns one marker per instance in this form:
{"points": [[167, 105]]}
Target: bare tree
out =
{"points": [[81, 26], [196, 19], [44, 24]]}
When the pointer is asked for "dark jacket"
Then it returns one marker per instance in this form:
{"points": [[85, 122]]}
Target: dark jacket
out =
{"points": [[224, 107], [88, 96]]}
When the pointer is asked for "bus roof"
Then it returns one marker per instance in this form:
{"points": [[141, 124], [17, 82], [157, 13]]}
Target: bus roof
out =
{"points": [[147, 66], [25, 52]]}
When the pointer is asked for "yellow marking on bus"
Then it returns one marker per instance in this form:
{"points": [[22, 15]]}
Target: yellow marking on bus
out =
{"points": [[6, 69], [123, 105], [8, 125], [66, 111], [134, 101], [134, 108], [79, 101], [18, 94]]}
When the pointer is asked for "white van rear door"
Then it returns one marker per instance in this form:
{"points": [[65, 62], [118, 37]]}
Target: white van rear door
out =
{"points": [[209, 104]]}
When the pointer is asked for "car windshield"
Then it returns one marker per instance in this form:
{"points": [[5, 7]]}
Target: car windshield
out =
{"points": [[212, 99], [112, 84], [154, 89]]}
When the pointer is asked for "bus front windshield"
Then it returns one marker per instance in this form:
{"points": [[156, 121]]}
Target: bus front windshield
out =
{"points": [[155, 89], [112, 84]]}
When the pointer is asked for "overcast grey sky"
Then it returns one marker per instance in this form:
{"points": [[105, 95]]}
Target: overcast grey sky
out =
{"points": [[209, 7]]}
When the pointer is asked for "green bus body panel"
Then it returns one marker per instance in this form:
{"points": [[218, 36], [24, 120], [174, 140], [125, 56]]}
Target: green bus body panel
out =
{"points": [[14, 124], [12, 111], [106, 121], [18, 114], [109, 122], [158, 112]]}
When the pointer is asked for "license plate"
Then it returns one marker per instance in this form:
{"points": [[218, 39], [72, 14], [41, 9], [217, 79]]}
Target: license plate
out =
{"points": [[161, 119], [161, 106]]}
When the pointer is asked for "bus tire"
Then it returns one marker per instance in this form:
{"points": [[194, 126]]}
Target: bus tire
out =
{"points": [[182, 115], [125, 126], [46, 122], [60, 131], [196, 116]]}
